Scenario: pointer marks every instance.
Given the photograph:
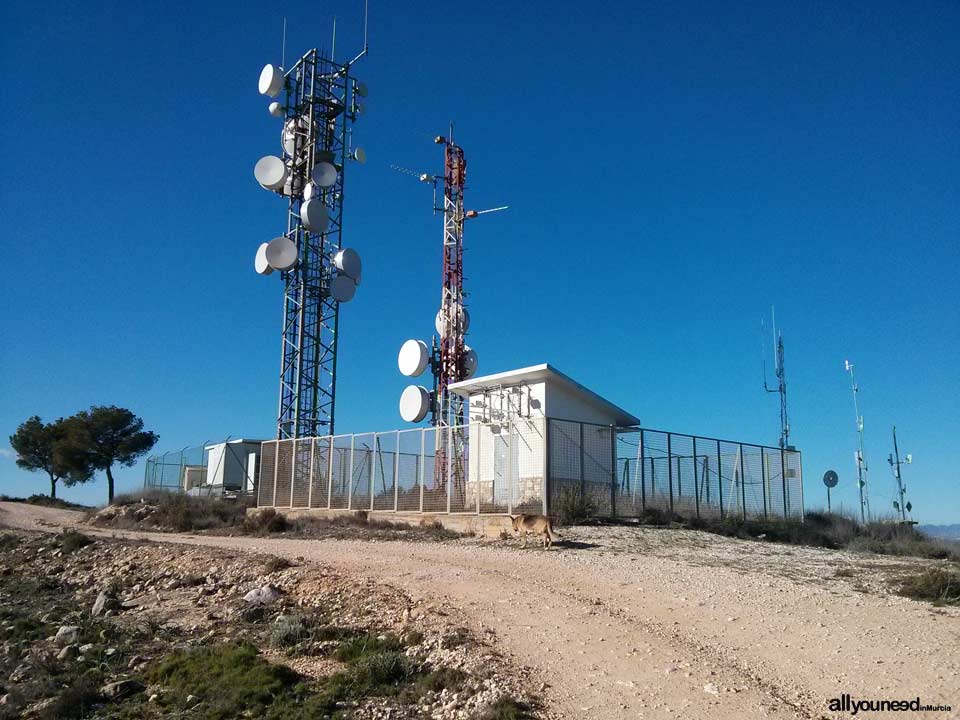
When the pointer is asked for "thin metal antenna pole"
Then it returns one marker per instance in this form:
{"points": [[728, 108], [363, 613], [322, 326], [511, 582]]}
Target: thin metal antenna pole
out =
{"points": [[896, 452], [333, 45], [861, 463], [283, 46]]}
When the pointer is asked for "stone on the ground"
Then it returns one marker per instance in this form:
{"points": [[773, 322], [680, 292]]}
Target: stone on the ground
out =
{"points": [[263, 595], [103, 603], [121, 689], [70, 652], [67, 635]]}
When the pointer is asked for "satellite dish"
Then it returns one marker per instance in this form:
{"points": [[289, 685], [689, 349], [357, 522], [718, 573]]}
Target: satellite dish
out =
{"points": [[413, 358], [414, 403], [470, 361], [271, 80], [348, 263], [314, 215], [360, 156], [361, 89], [830, 479], [260, 261], [276, 109], [343, 288], [439, 323], [271, 172], [281, 253], [310, 191], [324, 174]]}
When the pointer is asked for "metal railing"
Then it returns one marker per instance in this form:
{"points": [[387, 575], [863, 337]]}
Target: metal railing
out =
{"points": [[475, 468], [528, 465], [625, 471]]}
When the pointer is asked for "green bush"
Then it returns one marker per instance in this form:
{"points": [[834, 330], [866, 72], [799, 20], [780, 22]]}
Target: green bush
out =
{"points": [[71, 541], [574, 506], [938, 585]]}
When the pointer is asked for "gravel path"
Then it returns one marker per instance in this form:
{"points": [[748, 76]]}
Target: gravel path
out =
{"points": [[641, 623]]}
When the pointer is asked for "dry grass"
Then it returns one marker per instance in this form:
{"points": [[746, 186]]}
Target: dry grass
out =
{"points": [[938, 585]]}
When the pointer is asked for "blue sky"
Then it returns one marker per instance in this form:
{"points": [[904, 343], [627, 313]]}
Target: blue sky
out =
{"points": [[672, 169]]}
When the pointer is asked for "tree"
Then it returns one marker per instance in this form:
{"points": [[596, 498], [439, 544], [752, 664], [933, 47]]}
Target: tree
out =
{"points": [[103, 436], [41, 446]]}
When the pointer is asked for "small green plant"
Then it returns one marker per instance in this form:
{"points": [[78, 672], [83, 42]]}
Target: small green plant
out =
{"points": [[289, 630], [506, 708], [71, 541], [575, 506], [360, 645], [276, 564], [938, 585]]}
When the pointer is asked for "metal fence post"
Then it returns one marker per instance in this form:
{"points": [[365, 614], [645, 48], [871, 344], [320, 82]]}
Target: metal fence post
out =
{"points": [[670, 472], [374, 453], [720, 478], [783, 480], [546, 467], [763, 477], [448, 457], [423, 463], [583, 481], [330, 470], [313, 442], [696, 483], [276, 468], [743, 484], [613, 470], [350, 475], [396, 474], [643, 472]]}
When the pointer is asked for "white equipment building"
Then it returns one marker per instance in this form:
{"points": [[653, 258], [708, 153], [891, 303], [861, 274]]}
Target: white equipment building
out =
{"points": [[508, 414], [231, 466]]}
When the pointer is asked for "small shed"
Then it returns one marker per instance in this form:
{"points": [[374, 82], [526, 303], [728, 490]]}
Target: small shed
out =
{"points": [[233, 465]]}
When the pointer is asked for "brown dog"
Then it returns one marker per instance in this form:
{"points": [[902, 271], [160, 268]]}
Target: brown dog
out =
{"points": [[533, 525]]}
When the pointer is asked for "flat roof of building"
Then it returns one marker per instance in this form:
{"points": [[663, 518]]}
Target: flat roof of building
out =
{"points": [[541, 373]]}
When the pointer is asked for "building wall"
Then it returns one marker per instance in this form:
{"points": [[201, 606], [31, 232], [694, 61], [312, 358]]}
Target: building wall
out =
{"points": [[565, 404]]}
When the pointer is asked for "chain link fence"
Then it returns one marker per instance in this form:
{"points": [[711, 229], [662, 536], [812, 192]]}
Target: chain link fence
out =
{"points": [[528, 465], [475, 468], [625, 471], [188, 470]]}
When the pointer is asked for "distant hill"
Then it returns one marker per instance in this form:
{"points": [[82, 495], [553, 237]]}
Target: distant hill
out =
{"points": [[948, 532]]}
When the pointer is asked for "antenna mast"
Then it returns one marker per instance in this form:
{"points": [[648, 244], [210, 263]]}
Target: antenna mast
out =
{"points": [[321, 101], [895, 463], [781, 388], [861, 461]]}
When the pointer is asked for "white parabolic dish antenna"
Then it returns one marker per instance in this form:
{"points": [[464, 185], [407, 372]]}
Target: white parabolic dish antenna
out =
{"points": [[270, 172], [439, 323], [360, 155], [470, 361], [413, 358], [260, 262], [271, 80], [324, 174], [309, 191], [348, 262], [343, 288], [281, 253], [414, 403], [276, 109], [314, 215]]}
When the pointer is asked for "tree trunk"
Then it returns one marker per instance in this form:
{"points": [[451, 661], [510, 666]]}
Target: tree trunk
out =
{"points": [[109, 486], [53, 487]]}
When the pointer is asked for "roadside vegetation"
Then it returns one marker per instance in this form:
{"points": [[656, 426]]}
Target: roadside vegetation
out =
{"points": [[940, 585], [45, 501], [80, 641], [174, 512]]}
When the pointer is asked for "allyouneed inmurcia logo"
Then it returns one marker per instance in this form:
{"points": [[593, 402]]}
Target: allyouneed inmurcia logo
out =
{"points": [[846, 703]]}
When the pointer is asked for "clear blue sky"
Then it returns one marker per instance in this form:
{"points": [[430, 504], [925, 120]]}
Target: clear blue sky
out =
{"points": [[673, 169]]}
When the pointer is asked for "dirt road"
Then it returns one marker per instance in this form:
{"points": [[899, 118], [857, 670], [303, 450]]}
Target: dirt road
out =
{"points": [[652, 635]]}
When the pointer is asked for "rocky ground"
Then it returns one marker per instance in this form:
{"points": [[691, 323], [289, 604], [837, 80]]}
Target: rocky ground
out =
{"points": [[108, 629], [630, 622]]}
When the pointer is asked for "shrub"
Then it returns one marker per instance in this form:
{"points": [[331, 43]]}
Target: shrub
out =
{"points": [[939, 585], [267, 520], [276, 564], [289, 630], [71, 540], [506, 708], [574, 506]]}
